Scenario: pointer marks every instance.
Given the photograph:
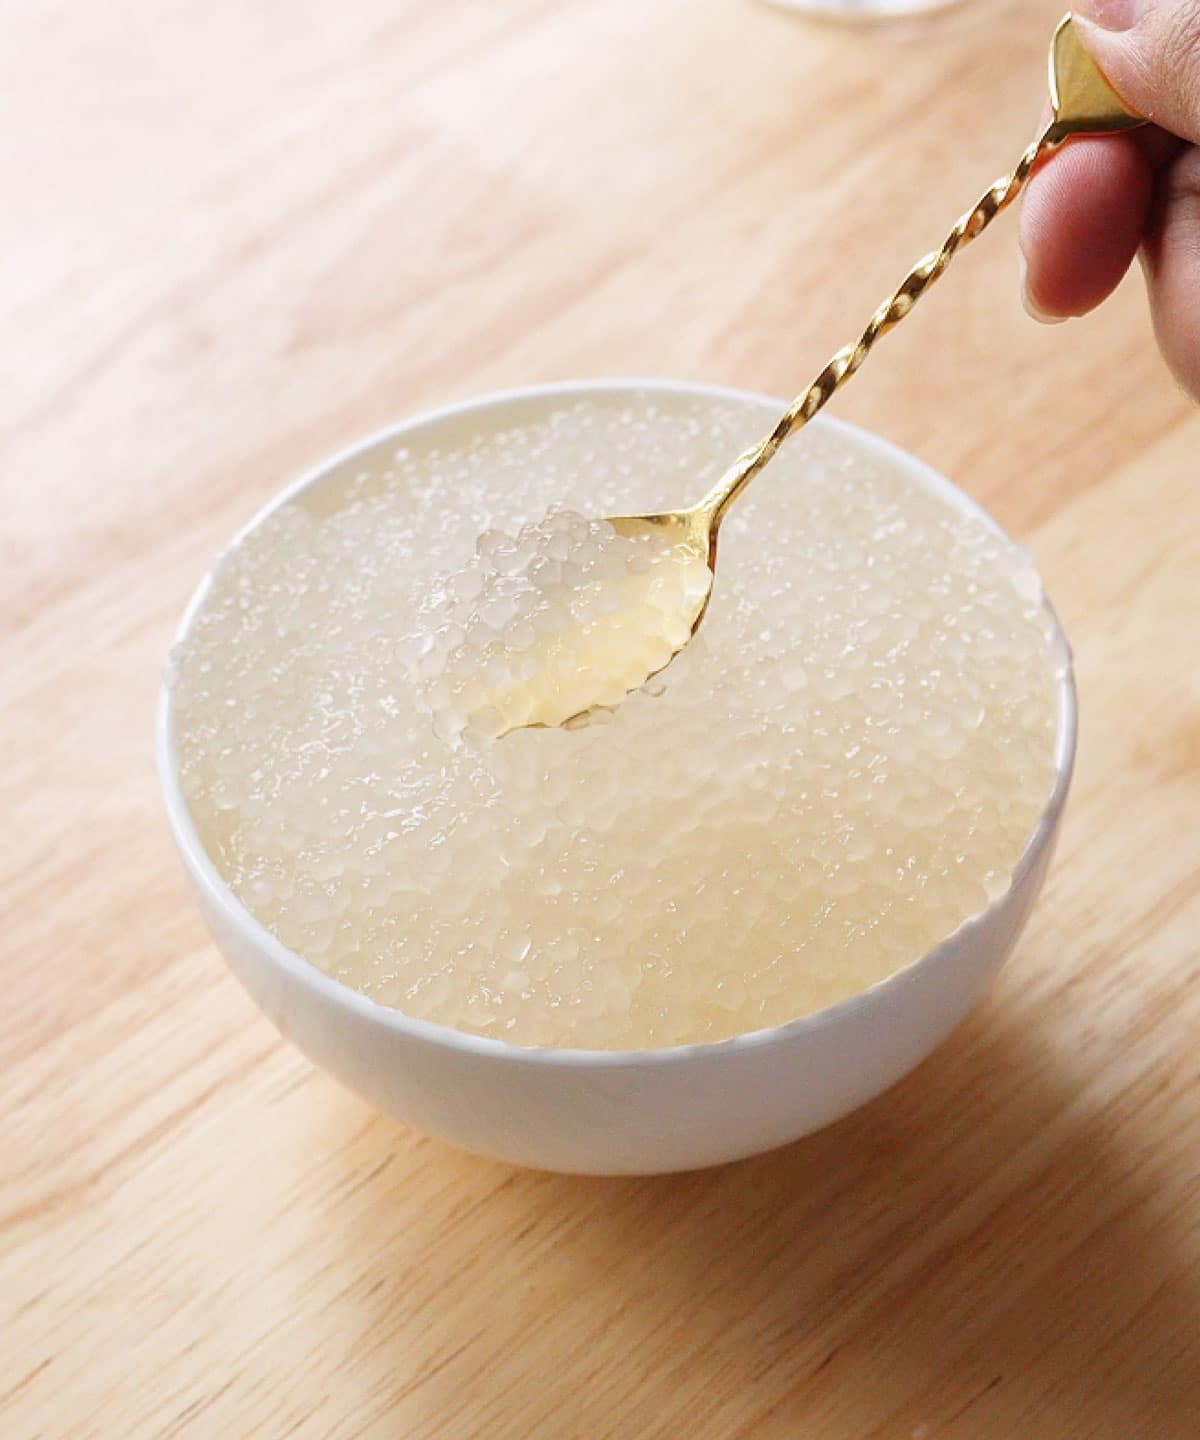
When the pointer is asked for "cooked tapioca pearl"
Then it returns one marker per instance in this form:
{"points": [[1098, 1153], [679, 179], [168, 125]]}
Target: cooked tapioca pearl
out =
{"points": [[843, 765], [565, 616]]}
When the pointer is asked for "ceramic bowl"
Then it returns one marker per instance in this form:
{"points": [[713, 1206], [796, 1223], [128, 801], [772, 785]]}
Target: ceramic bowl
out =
{"points": [[618, 1112]]}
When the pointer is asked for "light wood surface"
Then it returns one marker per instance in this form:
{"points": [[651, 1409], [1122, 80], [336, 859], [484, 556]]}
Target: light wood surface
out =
{"points": [[238, 236]]}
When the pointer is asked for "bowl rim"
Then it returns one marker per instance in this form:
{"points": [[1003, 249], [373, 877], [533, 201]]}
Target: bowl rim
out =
{"points": [[334, 993]]}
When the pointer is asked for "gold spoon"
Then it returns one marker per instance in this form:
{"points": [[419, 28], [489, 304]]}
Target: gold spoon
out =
{"points": [[1083, 103]]}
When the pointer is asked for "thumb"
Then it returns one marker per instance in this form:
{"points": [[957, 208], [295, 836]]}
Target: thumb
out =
{"points": [[1149, 50]]}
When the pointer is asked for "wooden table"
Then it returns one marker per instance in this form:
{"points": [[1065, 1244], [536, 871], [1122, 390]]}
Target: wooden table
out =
{"points": [[238, 236]]}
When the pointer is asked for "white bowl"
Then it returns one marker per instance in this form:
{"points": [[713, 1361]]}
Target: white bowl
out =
{"points": [[618, 1112]]}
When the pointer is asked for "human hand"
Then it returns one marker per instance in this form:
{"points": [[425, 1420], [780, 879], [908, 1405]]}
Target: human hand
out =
{"points": [[1102, 200]]}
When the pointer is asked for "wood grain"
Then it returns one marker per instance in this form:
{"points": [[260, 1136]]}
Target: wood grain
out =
{"points": [[239, 236]]}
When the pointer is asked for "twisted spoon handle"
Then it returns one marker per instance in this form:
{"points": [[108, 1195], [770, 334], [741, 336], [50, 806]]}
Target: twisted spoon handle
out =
{"points": [[847, 360]]}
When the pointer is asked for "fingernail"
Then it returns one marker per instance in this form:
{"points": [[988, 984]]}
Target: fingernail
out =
{"points": [[1031, 307], [1113, 15]]}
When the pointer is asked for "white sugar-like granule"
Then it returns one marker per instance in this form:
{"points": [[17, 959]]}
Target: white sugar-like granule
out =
{"points": [[843, 766], [541, 627]]}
